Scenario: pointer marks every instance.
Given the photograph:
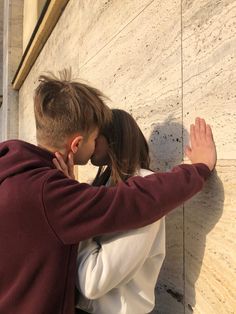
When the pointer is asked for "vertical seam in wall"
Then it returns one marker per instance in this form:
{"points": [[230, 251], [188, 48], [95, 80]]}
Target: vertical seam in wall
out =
{"points": [[182, 103]]}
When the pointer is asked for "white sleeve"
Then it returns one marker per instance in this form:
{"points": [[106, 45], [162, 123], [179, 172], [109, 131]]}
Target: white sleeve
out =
{"points": [[103, 266]]}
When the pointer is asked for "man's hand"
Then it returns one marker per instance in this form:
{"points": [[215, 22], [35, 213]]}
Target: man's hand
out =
{"points": [[66, 168], [202, 148]]}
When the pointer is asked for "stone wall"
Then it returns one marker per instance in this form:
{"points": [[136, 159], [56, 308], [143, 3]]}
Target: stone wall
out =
{"points": [[11, 53], [166, 62]]}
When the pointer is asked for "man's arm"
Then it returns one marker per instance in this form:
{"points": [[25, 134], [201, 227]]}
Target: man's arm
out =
{"points": [[78, 211]]}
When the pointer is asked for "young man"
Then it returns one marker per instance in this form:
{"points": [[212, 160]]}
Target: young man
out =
{"points": [[44, 214]]}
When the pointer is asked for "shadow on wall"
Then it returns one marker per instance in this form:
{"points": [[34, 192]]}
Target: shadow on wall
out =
{"points": [[166, 151], [165, 144], [199, 218], [201, 215]]}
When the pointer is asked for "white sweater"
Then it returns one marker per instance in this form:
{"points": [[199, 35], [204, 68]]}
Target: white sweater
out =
{"points": [[117, 273]]}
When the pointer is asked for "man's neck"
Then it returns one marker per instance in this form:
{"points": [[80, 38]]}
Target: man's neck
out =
{"points": [[53, 150]]}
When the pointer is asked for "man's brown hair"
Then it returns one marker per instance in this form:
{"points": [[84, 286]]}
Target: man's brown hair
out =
{"points": [[63, 107]]}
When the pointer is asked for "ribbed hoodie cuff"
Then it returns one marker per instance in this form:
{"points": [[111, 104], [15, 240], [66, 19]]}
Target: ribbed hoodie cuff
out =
{"points": [[203, 170]]}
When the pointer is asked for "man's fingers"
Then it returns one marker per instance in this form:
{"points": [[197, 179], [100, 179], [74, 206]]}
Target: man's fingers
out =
{"points": [[202, 126], [68, 167], [197, 125], [209, 132], [71, 165], [197, 129], [62, 166], [56, 164], [59, 157], [71, 159], [200, 130], [61, 162]]}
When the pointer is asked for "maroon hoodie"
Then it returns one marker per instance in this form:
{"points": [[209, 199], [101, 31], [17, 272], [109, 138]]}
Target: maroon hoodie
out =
{"points": [[44, 215]]}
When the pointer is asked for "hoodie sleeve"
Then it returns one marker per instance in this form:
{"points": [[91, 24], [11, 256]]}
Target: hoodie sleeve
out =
{"points": [[76, 211]]}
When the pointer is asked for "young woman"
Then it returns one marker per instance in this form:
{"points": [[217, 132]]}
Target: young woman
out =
{"points": [[117, 273]]}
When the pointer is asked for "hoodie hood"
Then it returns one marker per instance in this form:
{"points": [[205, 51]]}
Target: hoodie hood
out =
{"points": [[18, 156]]}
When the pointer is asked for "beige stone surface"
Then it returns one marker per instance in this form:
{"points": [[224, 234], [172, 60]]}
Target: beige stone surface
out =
{"points": [[30, 20], [140, 70], [209, 72], [32, 11], [55, 56], [101, 21], [209, 90], [210, 248], [156, 105], [170, 284], [12, 51]]}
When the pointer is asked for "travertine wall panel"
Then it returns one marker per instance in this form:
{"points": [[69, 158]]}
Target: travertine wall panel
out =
{"points": [[209, 84], [63, 46], [210, 245], [100, 21], [60, 51], [30, 19], [140, 70], [12, 51], [209, 72], [170, 286]]}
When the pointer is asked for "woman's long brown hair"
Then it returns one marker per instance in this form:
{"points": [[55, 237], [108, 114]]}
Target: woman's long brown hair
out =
{"points": [[128, 149]]}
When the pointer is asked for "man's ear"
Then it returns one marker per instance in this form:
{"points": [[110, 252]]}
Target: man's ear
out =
{"points": [[76, 142]]}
